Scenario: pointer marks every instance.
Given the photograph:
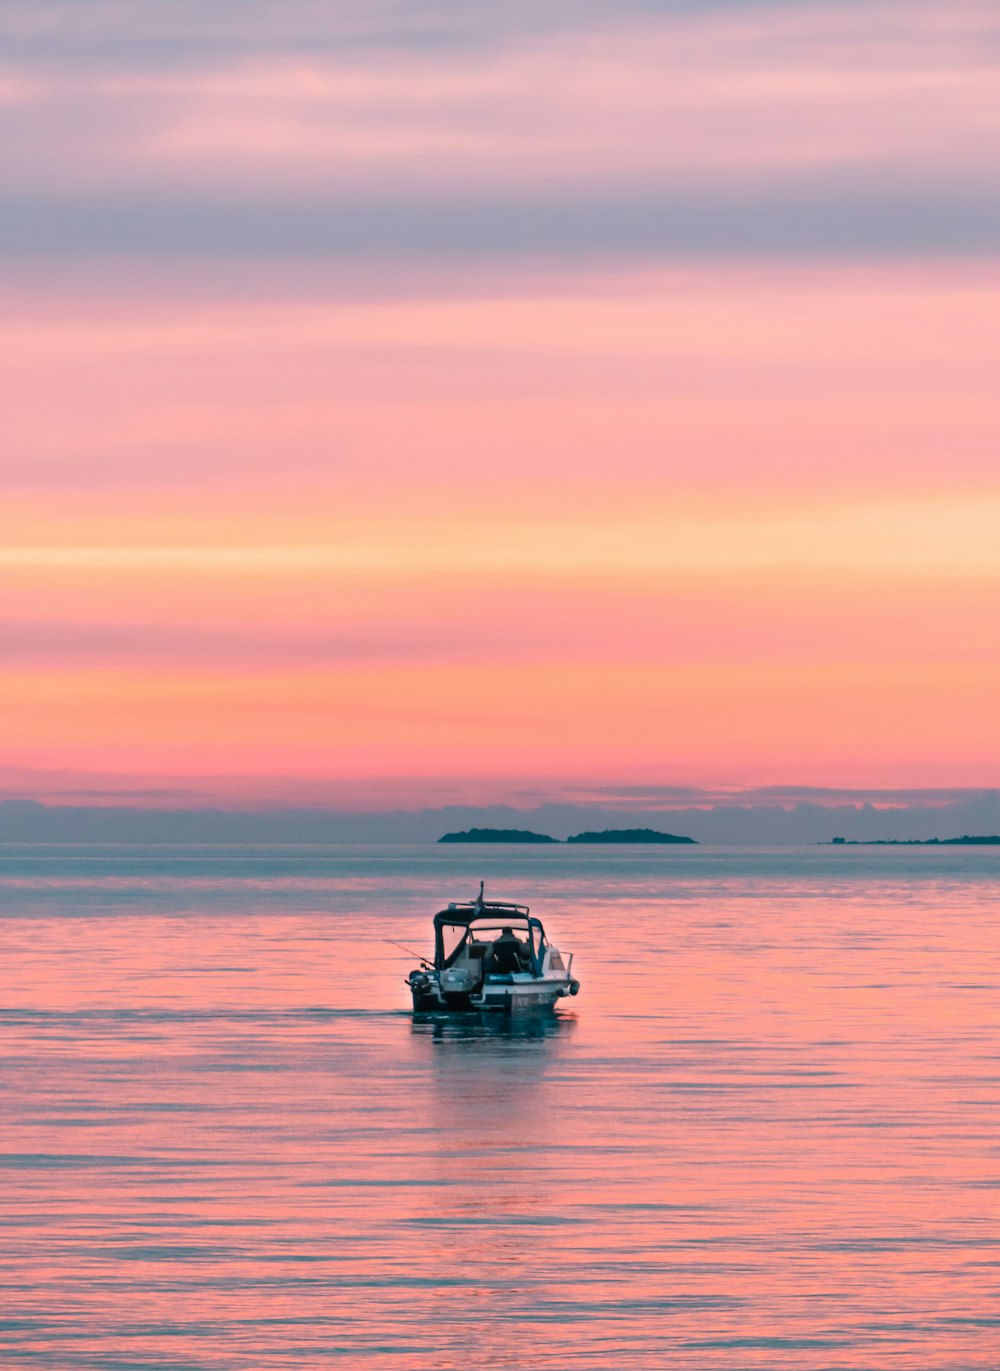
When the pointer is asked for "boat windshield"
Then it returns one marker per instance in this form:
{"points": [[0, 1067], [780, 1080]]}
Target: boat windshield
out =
{"points": [[487, 929], [492, 935]]}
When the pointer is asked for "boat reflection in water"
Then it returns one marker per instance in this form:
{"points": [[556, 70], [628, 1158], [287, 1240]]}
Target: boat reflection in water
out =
{"points": [[475, 1026]]}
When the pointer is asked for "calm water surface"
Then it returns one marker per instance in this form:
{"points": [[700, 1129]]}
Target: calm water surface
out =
{"points": [[767, 1133]]}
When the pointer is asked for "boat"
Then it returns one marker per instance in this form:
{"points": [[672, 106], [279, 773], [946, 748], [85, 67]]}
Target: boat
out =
{"points": [[490, 956]]}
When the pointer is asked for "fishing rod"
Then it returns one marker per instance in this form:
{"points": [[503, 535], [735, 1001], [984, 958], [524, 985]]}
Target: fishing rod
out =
{"points": [[410, 952]]}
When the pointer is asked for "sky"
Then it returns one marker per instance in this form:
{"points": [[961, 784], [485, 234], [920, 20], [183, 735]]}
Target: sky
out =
{"points": [[433, 403]]}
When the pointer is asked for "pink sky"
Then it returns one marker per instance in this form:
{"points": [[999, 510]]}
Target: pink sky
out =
{"points": [[477, 507]]}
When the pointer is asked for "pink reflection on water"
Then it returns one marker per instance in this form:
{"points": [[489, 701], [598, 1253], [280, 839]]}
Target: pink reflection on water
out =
{"points": [[764, 1136]]}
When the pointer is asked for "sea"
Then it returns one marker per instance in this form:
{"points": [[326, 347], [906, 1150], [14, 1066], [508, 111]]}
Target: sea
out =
{"points": [[765, 1134]]}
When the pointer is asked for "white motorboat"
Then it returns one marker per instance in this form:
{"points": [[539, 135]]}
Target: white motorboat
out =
{"points": [[490, 956]]}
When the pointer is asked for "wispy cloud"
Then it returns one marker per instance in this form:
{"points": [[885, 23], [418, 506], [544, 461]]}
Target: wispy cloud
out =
{"points": [[115, 34], [79, 644], [929, 536], [739, 392], [773, 224], [841, 128], [667, 798]]}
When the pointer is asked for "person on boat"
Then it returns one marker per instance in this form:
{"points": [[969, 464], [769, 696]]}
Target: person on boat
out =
{"points": [[510, 953]]}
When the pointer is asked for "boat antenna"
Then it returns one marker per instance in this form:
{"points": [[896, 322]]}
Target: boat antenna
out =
{"points": [[422, 960]]}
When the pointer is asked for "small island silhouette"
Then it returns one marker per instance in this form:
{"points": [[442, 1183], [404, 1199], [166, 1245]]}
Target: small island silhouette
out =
{"points": [[497, 835], [986, 840], [524, 835], [629, 835]]}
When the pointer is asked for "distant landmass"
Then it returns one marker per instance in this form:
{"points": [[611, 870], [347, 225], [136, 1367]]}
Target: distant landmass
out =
{"points": [[497, 835], [629, 835], [154, 818], [525, 835], [987, 840]]}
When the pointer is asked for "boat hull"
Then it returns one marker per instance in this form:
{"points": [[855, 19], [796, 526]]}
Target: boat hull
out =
{"points": [[502, 995]]}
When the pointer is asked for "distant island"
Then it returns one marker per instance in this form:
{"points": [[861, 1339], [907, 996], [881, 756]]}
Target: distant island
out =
{"points": [[524, 835], [497, 835], [629, 835], [990, 840]]}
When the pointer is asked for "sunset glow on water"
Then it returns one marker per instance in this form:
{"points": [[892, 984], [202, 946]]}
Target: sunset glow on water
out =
{"points": [[763, 1135]]}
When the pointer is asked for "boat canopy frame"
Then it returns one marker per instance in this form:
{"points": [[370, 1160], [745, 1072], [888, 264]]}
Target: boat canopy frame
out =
{"points": [[493, 915]]}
